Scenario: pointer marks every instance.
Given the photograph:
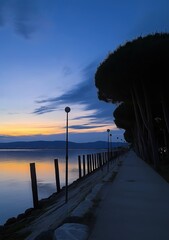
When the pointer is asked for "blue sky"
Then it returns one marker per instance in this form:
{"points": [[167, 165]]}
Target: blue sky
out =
{"points": [[50, 51]]}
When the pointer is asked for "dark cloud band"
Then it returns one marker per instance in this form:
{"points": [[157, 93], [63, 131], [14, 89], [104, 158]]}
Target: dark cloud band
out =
{"points": [[84, 94]]}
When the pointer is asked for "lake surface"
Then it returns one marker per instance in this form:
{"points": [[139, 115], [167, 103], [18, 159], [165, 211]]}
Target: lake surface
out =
{"points": [[15, 183]]}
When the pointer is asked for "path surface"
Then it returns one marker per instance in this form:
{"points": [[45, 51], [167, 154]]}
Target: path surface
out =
{"points": [[135, 206], [57, 212]]}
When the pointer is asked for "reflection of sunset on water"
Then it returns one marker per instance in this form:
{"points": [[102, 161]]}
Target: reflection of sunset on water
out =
{"points": [[15, 181], [14, 170], [44, 170]]}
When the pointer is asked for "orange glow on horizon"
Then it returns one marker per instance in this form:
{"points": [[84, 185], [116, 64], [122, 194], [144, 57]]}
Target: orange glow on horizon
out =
{"points": [[31, 129], [28, 130]]}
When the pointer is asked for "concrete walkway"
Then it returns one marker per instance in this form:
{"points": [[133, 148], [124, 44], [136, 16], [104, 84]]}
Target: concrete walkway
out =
{"points": [[135, 206]]}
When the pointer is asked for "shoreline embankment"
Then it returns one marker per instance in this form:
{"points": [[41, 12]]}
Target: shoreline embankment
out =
{"points": [[53, 211]]}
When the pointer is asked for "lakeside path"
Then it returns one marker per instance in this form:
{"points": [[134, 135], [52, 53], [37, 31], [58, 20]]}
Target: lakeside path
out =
{"points": [[80, 190], [134, 206], [82, 194]]}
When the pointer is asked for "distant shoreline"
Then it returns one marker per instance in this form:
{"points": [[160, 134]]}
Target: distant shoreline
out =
{"points": [[29, 149], [58, 145]]}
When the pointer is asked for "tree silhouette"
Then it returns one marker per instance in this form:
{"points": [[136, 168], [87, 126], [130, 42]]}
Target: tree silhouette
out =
{"points": [[128, 75]]}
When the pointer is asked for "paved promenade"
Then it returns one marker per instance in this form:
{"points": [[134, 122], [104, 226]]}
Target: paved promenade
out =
{"points": [[135, 206]]}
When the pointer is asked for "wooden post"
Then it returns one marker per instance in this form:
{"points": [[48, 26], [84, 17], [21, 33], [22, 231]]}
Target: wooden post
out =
{"points": [[57, 175], [84, 167], [95, 159], [88, 171], [93, 162], [91, 167], [90, 162], [34, 185], [79, 162], [100, 160], [104, 158]]}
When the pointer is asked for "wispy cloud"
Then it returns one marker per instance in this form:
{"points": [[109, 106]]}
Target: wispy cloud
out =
{"points": [[21, 13], [83, 94], [44, 109], [86, 126]]}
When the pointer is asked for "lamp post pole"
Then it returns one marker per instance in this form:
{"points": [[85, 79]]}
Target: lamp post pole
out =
{"points": [[108, 130], [67, 110]]}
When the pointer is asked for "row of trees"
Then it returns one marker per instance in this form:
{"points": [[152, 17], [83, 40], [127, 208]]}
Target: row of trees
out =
{"points": [[135, 77]]}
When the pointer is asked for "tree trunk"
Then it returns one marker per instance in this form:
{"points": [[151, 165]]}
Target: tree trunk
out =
{"points": [[146, 115], [151, 128], [141, 141], [165, 108]]}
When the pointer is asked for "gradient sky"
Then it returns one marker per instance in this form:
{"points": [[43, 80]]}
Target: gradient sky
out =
{"points": [[49, 53]]}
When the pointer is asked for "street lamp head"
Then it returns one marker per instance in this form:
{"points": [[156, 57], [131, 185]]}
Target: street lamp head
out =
{"points": [[108, 130], [67, 109], [110, 135]]}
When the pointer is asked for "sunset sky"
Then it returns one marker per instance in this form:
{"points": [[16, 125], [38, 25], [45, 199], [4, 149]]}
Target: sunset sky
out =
{"points": [[49, 53]]}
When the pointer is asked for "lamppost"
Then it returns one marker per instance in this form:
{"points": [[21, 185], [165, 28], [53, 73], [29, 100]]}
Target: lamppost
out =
{"points": [[117, 150], [111, 147], [117, 142], [67, 110], [108, 130]]}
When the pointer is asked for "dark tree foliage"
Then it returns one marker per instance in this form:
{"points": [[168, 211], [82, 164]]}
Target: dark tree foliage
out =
{"points": [[137, 73], [124, 116]]}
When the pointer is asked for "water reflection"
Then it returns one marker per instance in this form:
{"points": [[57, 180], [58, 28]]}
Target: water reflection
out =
{"points": [[15, 185]]}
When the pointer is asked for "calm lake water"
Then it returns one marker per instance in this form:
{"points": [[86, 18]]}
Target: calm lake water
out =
{"points": [[15, 184]]}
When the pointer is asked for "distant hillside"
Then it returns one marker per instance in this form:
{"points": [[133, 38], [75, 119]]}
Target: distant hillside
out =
{"points": [[57, 145]]}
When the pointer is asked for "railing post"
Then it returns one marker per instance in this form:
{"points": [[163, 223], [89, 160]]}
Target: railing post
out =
{"points": [[34, 185], [79, 163], [57, 175]]}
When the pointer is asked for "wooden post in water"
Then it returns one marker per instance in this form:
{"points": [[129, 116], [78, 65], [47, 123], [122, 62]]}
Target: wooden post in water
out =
{"points": [[93, 163], [103, 157], [95, 158], [34, 185], [84, 167], [98, 162], [90, 161], [57, 175], [79, 162], [88, 171]]}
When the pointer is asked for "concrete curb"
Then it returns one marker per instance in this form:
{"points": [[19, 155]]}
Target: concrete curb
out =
{"points": [[71, 231], [78, 231], [87, 204]]}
